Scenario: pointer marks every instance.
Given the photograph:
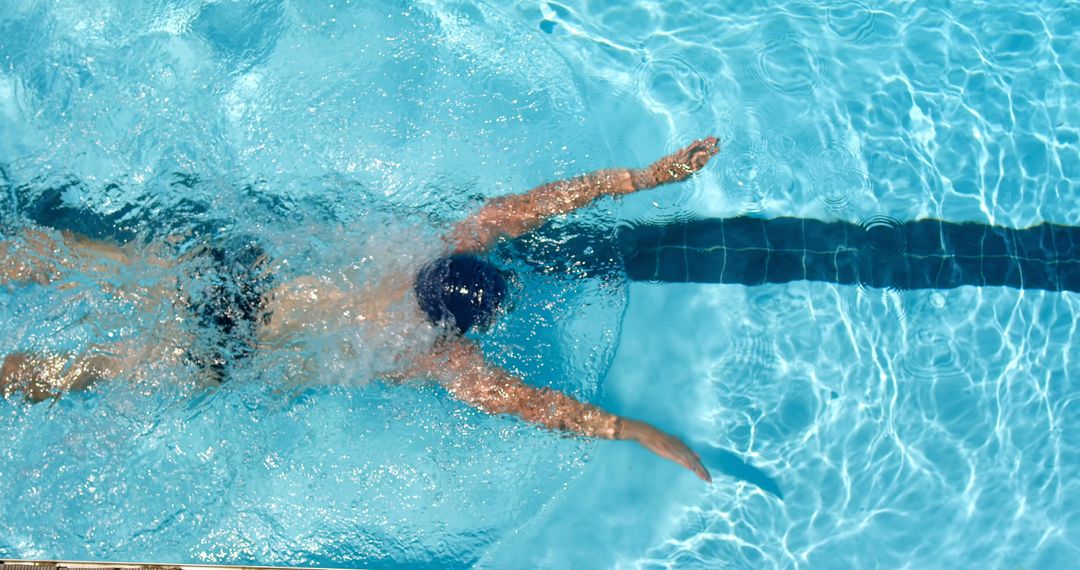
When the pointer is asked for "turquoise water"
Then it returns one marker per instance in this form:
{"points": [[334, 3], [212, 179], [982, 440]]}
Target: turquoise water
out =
{"points": [[922, 429]]}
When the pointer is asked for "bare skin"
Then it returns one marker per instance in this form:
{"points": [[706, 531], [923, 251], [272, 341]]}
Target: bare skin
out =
{"points": [[44, 258], [459, 365], [455, 363], [511, 216]]}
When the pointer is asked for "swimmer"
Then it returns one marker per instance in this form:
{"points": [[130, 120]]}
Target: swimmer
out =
{"points": [[455, 293]]}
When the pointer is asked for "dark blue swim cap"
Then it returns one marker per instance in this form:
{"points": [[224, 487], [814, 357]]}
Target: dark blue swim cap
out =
{"points": [[460, 291]]}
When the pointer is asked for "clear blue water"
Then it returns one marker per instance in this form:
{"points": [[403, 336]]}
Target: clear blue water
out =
{"points": [[921, 429]]}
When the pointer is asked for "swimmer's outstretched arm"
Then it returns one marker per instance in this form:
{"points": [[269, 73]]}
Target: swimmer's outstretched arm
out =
{"points": [[460, 367], [514, 215]]}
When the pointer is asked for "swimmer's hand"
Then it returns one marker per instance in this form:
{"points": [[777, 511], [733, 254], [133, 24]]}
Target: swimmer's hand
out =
{"points": [[514, 215], [677, 166], [664, 445]]}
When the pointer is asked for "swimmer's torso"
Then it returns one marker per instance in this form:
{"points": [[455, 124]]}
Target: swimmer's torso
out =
{"points": [[362, 333]]}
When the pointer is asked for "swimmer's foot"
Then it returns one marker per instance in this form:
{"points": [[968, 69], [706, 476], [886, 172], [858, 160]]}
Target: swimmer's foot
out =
{"points": [[664, 445], [677, 166], [40, 377], [32, 257], [24, 374]]}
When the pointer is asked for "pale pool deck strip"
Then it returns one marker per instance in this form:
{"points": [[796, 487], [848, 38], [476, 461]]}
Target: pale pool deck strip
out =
{"points": [[76, 565]]}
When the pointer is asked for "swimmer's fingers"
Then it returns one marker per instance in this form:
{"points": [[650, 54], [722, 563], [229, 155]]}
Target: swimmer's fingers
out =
{"points": [[701, 151], [685, 162], [667, 446], [694, 157]]}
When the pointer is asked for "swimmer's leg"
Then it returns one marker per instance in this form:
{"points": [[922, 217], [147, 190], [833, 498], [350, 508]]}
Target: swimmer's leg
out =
{"points": [[44, 257], [36, 256], [32, 257], [39, 377]]}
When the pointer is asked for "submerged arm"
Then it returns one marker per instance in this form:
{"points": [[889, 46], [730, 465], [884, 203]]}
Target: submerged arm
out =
{"points": [[460, 367], [514, 215]]}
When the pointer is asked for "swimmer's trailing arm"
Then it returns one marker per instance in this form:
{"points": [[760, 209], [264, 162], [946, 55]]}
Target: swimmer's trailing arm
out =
{"points": [[514, 215], [461, 368]]}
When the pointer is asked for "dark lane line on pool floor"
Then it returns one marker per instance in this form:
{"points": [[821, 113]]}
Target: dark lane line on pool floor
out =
{"points": [[925, 254]]}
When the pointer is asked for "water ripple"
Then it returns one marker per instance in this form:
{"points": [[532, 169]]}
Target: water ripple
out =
{"points": [[934, 354], [854, 21], [884, 236], [672, 82], [838, 178], [753, 174], [788, 63]]}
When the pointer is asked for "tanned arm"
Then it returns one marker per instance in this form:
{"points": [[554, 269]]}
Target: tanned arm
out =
{"points": [[514, 215], [460, 367]]}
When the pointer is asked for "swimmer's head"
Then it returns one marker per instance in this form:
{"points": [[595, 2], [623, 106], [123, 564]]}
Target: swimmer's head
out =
{"points": [[460, 292]]}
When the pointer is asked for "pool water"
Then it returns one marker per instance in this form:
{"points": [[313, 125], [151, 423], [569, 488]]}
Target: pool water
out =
{"points": [[847, 426]]}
